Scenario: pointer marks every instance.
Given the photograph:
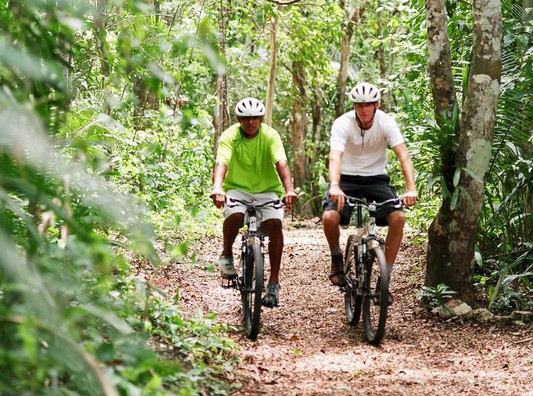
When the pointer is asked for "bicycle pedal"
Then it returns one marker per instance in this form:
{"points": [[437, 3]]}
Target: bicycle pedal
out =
{"points": [[229, 283]]}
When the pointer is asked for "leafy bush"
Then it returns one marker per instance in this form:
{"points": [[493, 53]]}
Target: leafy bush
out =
{"points": [[69, 321], [198, 342], [437, 296]]}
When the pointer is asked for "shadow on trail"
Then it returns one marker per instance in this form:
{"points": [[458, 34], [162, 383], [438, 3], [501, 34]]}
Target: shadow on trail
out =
{"points": [[306, 347]]}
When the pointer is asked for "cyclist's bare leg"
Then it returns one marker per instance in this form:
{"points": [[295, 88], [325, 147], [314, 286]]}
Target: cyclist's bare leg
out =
{"points": [[394, 235], [330, 221], [275, 248], [230, 230]]}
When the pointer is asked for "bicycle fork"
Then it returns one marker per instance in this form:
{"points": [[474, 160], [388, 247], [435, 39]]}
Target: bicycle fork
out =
{"points": [[247, 239]]}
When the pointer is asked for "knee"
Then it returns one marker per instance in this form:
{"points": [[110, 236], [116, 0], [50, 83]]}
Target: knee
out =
{"points": [[274, 228], [234, 221], [235, 217], [330, 218], [396, 219]]}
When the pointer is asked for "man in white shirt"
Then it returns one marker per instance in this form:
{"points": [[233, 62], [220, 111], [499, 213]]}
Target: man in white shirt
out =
{"points": [[357, 167]]}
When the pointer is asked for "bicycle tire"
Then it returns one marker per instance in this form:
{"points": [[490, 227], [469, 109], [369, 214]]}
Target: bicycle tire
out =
{"points": [[376, 298], [252, 290], [353, 298]]}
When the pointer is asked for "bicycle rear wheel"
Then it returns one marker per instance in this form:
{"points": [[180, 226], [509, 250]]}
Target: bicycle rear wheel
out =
{"points": [[352, 292], [252, 289], [376, 298]]}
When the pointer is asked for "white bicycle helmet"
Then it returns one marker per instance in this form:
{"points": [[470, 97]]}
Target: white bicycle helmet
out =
{"points": [[250, 107], [365, 93]]}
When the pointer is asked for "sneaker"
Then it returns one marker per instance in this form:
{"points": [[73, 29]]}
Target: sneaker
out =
{"points": [[271, 298], [226, 267]]}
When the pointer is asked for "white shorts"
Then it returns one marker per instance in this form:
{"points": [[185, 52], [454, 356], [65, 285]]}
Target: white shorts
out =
{"points": [[263, 214]]}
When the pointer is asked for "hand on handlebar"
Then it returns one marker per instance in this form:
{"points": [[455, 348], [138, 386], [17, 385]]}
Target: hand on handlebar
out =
{"points": [[337, 196], [219, 197], [289, 199], [409, 198]]}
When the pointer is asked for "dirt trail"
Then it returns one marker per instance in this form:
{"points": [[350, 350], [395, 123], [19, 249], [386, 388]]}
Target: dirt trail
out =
{"points": [[306, 348]]}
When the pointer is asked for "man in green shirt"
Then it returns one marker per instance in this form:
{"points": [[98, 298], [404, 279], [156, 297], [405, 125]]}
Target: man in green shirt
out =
{"points": [[251, 164]]}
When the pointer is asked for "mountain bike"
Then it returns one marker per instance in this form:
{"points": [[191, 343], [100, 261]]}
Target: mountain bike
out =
{"points": [[365, 268], [250, 280]]}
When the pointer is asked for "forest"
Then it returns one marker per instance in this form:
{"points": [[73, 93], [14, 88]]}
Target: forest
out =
{"points": [[111, 112]]}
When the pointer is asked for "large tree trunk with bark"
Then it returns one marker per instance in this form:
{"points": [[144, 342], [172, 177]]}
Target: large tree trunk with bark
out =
{"points": [[298, 125], [385, 64], [269, 104], [100, 34], [319, 151], [347, 33], [452, 235], [220, 112]]}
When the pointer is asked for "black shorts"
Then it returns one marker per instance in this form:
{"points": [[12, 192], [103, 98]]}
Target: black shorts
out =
{"points": [[371, 188]]}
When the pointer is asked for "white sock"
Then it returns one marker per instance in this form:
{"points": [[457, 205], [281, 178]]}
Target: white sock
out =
{"points": [[389, 269]]}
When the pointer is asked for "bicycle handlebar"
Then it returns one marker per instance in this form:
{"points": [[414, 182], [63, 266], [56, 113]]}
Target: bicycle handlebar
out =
{"points": [[373, 206], [276, 203]]}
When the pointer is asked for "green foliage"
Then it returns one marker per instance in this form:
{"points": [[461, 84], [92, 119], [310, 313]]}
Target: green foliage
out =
{"points": [[193, 353], [99, 104], [419, 218], [437, 296], [198, 342], [69, 320], [507, 215], [506, 281], [512, 300], [506, 218]]}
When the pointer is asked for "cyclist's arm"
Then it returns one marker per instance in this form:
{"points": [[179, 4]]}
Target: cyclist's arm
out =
{"points": [[335, 192], [284, 173], [410, 195], [218, 194]]}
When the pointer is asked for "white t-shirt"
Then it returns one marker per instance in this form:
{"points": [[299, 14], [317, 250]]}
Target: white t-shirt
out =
{"points": [[364, 156]]}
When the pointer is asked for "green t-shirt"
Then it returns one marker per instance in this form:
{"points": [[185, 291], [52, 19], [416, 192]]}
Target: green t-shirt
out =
{"points": [[251, 162]]}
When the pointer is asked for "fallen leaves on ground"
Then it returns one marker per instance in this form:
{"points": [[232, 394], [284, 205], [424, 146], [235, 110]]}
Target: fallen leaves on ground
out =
{"points": [[305, 346]]}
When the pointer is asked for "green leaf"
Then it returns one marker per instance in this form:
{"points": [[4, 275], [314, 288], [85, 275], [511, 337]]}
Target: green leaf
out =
{"points": [[456, 177], [473, 175], [466, 194], [108, 317], [455, 198], [180, 250]]}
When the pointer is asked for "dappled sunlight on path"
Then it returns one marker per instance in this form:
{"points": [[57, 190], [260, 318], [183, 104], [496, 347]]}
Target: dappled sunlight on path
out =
{"points": [[305, 346]]}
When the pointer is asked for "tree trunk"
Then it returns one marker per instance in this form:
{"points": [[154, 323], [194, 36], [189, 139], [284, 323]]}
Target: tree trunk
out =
{"points": [[347, 33], [384, 65], [440, 62], [442, 84], [317, 111], [146, 93], [319, 152], [220, 115], [298, 124], [157, 9], [100, 35], [343, 74], [272, 72], [384, 104], [220, 112], [452, 235]]}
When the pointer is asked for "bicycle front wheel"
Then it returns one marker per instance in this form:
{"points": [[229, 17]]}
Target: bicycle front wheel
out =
{"points": [[352, 292], [253, 280], [376, 296]]}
